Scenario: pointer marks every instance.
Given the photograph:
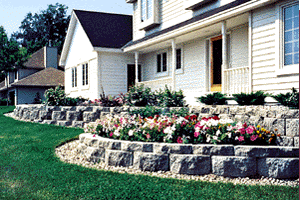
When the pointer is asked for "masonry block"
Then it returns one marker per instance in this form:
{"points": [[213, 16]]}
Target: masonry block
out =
{"points": [[64, 123], [285, 141], [151, 162], [273, 123], [95, 154], [292, 127], [136, 146], [74, 116], [59, 115], [256, 151], [190, 164], [118, 158], [163, 148], [210, 149]]}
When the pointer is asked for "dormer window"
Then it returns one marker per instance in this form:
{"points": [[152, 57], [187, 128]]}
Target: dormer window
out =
{"points": [[149, 14]]}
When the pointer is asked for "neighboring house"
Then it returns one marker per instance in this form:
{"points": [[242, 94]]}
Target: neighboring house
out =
{"points": [[203, 46], [92, 56], [198, 46], [40, 72]]}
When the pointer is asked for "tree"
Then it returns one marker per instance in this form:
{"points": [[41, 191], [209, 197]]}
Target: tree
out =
{"points": [[11, 55], [38, 30]]}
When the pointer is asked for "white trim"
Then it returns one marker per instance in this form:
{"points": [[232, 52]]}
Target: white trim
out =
{"points": [[250, 49], [162, 73], [149, 22], [279, 47], [180, 71], [111, 50], [226, 14]]}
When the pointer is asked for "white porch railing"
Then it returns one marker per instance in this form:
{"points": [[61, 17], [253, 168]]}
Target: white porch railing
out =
{"points": [[237, 80], [157, 84]]}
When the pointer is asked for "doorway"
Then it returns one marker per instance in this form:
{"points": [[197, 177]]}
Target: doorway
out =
{"points": [[11, 96], [131, 75], [216, 64]]}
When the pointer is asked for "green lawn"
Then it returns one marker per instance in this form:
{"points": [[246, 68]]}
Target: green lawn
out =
{"points": [[29, 169]]}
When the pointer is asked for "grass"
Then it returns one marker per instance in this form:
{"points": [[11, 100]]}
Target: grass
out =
{"points": [[29, 169]]}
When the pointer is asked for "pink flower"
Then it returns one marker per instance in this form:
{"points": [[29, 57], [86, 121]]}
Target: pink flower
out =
{"points": [[111, 134], [179, 140], [94, 135], [242, 131], [250, 129], [241, 138], [196, 134], [148, 136], [253, 137]]}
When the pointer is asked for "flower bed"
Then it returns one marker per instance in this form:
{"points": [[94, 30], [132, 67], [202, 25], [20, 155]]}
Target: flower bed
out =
{"points": [[186, 130]]}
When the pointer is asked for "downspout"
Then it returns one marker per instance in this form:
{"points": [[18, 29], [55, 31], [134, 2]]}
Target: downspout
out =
{"points": [[136, 59]]}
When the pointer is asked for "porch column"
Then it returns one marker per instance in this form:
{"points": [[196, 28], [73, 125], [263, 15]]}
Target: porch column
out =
{"points": [[136, 58], [250, 50], [224, 56], [173, 63]]}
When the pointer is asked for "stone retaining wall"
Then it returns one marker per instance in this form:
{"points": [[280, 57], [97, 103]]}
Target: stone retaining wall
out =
{"points": [[224, 160], [284, 119]]}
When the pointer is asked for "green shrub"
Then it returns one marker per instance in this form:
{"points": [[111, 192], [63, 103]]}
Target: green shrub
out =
{"points": [[57, 97], [216, 98], [290, 99], [3, 102], [140, 96], [254, 98], [168, 98], [148, 111]]}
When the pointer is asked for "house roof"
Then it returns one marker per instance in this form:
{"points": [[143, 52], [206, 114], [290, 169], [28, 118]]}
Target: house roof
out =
{"points": [[187, 22], [36, 61], [106, 29], [46, 77]]}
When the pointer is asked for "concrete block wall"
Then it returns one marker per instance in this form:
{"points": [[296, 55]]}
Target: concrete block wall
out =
{"points": [[224, 160], [270, 117]]}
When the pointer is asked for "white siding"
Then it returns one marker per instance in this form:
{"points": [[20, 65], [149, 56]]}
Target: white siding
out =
{"points": [[171, 12], [81, 51], [264, 54], [114, 72]]}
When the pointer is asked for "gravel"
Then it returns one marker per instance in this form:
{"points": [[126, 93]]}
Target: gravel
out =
{"points": [[67, 153]]}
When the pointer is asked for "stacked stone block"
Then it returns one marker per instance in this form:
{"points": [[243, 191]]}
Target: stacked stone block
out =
{"points": [[225, 160]]}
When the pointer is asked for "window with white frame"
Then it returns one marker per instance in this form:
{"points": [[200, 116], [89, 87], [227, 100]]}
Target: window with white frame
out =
{"points": [[85, 74], [74, 77], [15, 75], [161, 60], [148, 14], [178, 59], [288, 38], [291, 34]]}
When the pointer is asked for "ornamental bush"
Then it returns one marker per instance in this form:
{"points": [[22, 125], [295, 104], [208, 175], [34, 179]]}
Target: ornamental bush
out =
{"points": [[187, 130], [216, 98], [290, 99], [254, 98], [168, 98]]}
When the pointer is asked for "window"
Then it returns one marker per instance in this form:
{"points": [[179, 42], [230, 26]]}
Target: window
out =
{"points": [[291, 34], [161, 62], [287, 38], [149, 14], [178, 59], [195, 4], [74, 77], [15, 75], [85, 74]]}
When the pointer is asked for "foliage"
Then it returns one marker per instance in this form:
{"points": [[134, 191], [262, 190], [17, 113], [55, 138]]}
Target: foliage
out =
{"points": [[290, 99], [139, 96], [168, 98], [57, 97], [37, 99], [106, 101], [254, 98], [149, 111], [175, 129], [216, 98], [4, 102], [37, 30]]}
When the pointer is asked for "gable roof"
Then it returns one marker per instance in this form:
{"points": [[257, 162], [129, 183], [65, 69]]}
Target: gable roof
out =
{"points": [[106, 29], [46, 77]]}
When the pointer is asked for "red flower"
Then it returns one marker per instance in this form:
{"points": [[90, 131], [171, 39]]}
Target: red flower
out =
{"points": [[94, 135], [150, 117], [245, 125], [179, 140], [148, 136], [111, 134], [216, 118], [187, 117], [242, 131], [193, 117]]}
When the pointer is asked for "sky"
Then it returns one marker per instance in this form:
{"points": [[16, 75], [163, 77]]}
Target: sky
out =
{"points": [[12, 12]]}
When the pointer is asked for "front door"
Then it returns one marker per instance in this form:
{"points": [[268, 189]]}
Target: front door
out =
{"points": [[12, 97], [131, 75], [216, 64]]}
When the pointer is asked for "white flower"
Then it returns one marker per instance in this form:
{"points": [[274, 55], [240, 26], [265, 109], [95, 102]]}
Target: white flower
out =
{"points": [[117, 133], [236, 138], [229, 128], [215, 137], [228, 134], [218, 132], [130, 133]]}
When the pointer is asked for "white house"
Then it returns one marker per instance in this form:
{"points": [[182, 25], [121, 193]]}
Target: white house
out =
{"points": [[202, 46], [28, 84], [198, 46], [92, 56]]}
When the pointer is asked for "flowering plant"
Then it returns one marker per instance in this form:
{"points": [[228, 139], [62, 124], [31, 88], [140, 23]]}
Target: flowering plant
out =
{"points": [[162, 128]]}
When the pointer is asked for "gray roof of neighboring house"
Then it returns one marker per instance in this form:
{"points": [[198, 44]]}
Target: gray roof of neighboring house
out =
{"points": [[192, 20], [44, 78], [106, 29]]}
